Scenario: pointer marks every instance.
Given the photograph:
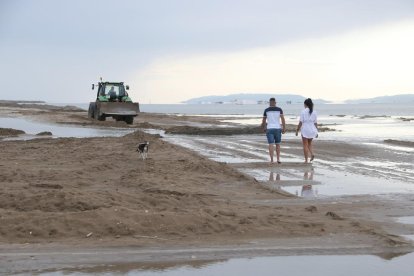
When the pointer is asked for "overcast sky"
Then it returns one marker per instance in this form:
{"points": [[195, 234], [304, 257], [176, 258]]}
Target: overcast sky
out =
{"points": [[172, 50]]}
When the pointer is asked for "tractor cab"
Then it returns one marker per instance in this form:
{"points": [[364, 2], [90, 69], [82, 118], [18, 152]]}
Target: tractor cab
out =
{"points": [[112, 100], [112, 92]]}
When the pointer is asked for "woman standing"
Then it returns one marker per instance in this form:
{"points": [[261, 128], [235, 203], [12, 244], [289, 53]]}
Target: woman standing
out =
{"points": [[308, 126]]}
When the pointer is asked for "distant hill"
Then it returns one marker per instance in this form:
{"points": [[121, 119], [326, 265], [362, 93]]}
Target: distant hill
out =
{"points": [[402, 98], [250, 98]]}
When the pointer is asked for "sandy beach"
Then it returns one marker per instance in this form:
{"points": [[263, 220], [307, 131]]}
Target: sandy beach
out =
{"points": [[83, 193], [207, 85]]}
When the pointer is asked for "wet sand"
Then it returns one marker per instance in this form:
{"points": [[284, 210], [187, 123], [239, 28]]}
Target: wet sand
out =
{"points": [[90, 193]]}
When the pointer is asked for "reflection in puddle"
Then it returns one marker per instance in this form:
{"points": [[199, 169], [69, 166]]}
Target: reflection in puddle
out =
{"points": [[331, 179], [135, 268], [333, 183], [281, 265], [307, 190], [354, 177], [272, 176], [302, 181]]}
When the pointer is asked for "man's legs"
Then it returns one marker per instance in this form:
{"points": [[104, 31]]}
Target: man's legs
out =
{"points": [[278, 140], [278, 152], [270, 135], [271, 152]]}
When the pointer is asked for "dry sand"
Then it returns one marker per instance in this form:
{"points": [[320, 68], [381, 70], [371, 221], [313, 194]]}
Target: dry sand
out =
{"points": [[64, 189], [98, 192]]}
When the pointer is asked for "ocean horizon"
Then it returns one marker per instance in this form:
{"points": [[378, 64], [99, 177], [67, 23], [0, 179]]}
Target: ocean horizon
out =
{"points": [[367, 109]]}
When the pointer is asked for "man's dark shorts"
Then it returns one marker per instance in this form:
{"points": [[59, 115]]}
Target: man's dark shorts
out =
{"points": [[274, 135]]}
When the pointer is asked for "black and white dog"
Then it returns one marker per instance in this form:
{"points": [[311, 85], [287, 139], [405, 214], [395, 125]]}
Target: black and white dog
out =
{"points": [[143, 149]]}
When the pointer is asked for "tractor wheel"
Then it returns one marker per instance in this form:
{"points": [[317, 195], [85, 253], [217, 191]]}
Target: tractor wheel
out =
{"points": [[97, 117], [91, 110], [129, 120], [102, 118]]}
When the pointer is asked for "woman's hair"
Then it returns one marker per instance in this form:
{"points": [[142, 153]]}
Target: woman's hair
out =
{"points": [[308, 102]]}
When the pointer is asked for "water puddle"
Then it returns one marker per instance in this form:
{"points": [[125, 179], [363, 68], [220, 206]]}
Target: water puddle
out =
{"points": [[324, 178], [32, 128], [318, 181], [154, 131], [398, 149], [340, 183], [210, 149], [280, 265], [389, 129], [406, 220], [408, 237], [246, 121]]}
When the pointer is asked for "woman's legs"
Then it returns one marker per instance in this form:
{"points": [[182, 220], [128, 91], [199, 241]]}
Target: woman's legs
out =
{"points": [[305, 148], [310, 149]]}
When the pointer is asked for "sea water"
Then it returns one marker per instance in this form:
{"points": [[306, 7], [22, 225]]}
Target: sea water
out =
{"points": [[371, 109], [352, 122], [406, 109]]}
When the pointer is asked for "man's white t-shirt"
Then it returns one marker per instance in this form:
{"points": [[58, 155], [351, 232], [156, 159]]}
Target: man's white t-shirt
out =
{"points": [[272, 114]]}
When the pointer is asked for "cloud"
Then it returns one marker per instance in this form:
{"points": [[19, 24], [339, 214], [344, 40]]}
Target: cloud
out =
{"points": [[68, 44], [368, 62]]}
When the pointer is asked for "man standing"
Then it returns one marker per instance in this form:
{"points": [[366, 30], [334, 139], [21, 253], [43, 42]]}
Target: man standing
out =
{"points": [[271, 126]]}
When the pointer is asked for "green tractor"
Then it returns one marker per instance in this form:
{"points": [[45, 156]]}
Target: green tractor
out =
{"points": [[112, 100]]}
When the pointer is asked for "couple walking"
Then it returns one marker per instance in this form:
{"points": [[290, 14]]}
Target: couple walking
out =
{"points": [[274, 125]]}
